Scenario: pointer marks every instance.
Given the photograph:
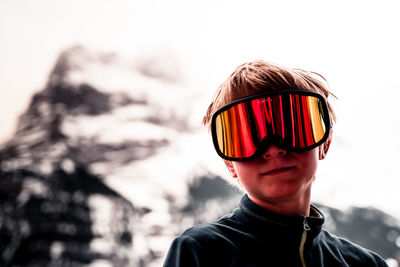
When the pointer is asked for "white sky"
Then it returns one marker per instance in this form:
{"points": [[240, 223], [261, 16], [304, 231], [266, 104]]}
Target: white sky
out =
{"points": [[354, 44]]}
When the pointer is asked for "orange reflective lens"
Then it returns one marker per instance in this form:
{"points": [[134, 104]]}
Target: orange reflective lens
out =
{"points": [[295, 120]]}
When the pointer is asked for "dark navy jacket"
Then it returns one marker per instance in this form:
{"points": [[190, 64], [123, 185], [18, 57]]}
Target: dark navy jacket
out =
{"points": [[253, 236]]}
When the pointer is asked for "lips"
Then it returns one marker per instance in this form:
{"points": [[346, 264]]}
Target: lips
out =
{"points": [[279, 170]]}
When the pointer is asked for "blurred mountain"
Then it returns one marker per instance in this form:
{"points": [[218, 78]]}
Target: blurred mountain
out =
{"points": [[107, 165]]}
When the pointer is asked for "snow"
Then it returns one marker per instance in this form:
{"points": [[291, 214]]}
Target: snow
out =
{"points": [[68, 165], [108, 129], [56, 249], [35, 135], [123, 77], [32, 187]]}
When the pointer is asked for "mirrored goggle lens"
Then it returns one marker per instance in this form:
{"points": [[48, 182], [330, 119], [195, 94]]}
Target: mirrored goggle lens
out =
{"points": [[300, 121]]}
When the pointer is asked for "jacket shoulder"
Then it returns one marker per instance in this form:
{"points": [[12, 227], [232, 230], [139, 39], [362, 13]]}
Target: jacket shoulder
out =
{"points": [[207, 232], [352, 254], [199, 245]]}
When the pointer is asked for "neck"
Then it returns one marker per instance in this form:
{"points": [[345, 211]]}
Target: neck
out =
{"points": [[290, 206]]}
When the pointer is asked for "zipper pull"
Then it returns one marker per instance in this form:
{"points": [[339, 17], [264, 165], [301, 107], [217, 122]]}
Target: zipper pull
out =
{"points": [[306, 227]]}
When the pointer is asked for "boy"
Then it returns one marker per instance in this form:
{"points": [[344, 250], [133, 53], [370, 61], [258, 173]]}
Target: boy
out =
{"points": [[271, 125]]}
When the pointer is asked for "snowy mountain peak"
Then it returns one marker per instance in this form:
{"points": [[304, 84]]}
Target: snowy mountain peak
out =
{"points": [[97, 100]]}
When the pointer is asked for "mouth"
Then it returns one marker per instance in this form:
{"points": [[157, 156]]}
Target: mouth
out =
{"points": [[279, 171]]}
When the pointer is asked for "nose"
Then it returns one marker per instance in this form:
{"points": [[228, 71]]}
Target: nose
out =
{"points": [[273, 151]]}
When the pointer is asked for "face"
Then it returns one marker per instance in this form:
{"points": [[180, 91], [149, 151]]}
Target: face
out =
{"points": [[278, 175]]}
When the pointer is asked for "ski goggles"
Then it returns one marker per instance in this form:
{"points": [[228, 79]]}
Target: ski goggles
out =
{"points": [[296, 120]]}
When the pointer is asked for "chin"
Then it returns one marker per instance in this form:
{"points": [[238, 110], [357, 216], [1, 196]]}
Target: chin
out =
{"points": [[282, 192]]}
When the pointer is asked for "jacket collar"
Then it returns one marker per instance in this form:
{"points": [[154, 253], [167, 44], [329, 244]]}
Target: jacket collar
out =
{"points": [[260, 215]]}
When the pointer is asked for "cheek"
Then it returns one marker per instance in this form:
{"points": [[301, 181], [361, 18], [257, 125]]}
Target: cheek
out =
{"points": [[309, 161], [245, 170]]}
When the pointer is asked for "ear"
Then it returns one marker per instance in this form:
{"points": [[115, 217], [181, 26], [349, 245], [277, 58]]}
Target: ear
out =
{"points": [[323, 149], [231, 168]]}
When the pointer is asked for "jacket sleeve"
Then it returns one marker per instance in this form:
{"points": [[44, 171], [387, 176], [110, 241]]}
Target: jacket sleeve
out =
{"points": [[185, 251]]}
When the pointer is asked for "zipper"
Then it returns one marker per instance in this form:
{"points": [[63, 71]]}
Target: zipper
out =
{"points": [[306, 228]]}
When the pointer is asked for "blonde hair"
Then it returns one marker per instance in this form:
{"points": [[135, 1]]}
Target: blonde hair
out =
{"points": [[261, 76]]}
